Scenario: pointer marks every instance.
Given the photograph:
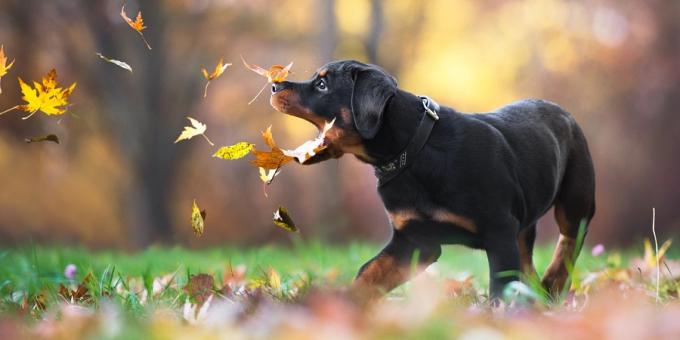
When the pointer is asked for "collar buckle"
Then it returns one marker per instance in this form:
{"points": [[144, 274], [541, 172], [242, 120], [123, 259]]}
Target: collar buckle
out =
{"points": [[428, 110]]}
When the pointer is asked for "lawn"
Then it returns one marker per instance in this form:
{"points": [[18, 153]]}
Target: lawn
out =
{"points": [[295, 292]]}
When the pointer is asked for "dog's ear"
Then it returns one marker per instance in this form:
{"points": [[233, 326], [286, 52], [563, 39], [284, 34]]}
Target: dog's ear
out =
{"points": [[372, 90]]}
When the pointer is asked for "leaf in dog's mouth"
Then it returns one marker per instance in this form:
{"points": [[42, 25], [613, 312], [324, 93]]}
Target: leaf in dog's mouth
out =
{"points": [[277, 157]]}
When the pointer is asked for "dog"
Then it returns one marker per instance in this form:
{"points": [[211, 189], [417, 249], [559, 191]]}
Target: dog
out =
{"points": [[445, 177]]}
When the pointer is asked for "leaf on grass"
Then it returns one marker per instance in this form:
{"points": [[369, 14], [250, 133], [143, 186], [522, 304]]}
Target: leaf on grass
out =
{"points": [[48, 138], [275, 73], [200, 287], [196, 128], [3, 64], [219, 69], [197, 219], [274, 279], [236, 151], [118, 63], [47, 96], [137, 24], [282, 220], [80, 295]]}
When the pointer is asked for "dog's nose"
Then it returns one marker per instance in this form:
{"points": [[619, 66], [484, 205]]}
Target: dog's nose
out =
{"points": [[276, 87]]}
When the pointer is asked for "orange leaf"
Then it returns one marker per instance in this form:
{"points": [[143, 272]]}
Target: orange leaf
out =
{"points": [[3, 64], [137, 24]]}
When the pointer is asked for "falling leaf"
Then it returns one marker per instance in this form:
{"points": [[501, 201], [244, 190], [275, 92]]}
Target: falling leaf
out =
{"points": [[118, 63], [3, 64], [270, 159], [196, 128], [268, 175], [48, 138], [283, 220], [276, 73], [137, 24], [236, 151], [46, 96], [197, 219], [219, 69]]}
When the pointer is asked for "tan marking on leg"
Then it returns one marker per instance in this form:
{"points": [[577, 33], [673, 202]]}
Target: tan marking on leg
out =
{"points": [[555, 277], [380, 276], [561, 219], [400, 218], [445, 216], [526, 262]]}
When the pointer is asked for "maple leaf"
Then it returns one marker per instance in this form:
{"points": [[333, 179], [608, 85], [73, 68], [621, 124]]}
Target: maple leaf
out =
{"points": [[197, 219], [282, 220], [3, 64], [273, 159], [118, 63], [196, 128], [48, 138], [46, 96], [236, 151], [137, 24], [219, 69], [80, 295], [276, 73]]}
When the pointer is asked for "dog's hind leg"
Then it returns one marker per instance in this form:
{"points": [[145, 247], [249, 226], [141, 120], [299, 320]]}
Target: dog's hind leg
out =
{"points": [[574, 208], [525, 240], [392, 266]]}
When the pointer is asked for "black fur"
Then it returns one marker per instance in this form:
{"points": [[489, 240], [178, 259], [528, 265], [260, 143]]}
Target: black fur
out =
{"points": [[501, 170]]}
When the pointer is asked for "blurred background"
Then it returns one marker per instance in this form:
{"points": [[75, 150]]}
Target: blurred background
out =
{"points": [[117, 179]]}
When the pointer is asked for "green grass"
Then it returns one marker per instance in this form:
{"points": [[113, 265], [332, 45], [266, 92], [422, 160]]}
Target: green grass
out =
{"points": [[35, 269], [122, 283]]}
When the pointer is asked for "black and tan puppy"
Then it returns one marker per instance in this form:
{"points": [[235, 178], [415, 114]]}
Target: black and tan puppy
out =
{"points": [[481, 180]]}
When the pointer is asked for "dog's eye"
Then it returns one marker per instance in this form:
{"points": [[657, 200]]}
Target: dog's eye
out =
{"points": [[321, 85]]}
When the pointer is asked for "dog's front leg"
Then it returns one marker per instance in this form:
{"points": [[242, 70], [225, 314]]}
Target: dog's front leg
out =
{"points": [[392, 266], [502, 252]]}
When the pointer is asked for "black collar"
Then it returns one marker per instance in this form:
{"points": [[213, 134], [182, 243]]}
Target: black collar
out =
{"points": [[391, 169]]}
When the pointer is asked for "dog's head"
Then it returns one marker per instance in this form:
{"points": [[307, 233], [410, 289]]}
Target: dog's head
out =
{"points": [[352, 93]]}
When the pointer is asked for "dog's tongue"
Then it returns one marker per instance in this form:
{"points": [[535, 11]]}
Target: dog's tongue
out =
{"points": [[311, 147]]}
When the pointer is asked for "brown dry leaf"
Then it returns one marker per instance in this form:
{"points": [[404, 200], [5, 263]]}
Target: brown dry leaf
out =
{"points": [[80, 295], [196, 128], [46, 96], [275, 73], [137, 24], [200, 287], [3, 64], [284, 221], [219, 69], [48, 138], [272, 159]]}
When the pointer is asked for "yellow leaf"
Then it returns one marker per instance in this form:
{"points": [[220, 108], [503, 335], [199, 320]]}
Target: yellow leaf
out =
{"points": [[219, 69], [236, 151], [197, 219], [282, 220], [47, 96], [274, 279], [3, 64], [196, 128], [267, 176], [137, 24]]}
